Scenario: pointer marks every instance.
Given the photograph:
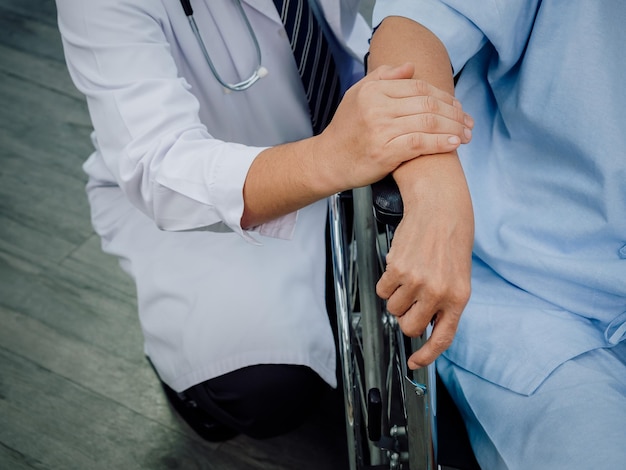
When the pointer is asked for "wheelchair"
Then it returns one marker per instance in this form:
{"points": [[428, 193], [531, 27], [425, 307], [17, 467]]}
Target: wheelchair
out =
{"points": [[390, 411]]}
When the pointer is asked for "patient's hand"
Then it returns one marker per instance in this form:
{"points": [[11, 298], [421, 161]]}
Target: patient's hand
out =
{"points": [[429, 264]]}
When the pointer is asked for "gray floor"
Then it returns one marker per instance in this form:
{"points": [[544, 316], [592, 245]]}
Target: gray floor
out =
{"points": [[75, 389]]}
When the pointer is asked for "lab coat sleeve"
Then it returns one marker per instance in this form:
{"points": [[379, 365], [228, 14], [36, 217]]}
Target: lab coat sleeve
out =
{"points": [[465, 26], [146, 119]]}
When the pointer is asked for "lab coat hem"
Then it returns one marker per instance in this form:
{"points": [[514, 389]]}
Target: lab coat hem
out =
{"points": [[183, 382]]}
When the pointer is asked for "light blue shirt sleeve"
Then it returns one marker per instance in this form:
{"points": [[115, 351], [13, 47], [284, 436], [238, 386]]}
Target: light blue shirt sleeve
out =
{"points": [[465, 26], [460, 36]]}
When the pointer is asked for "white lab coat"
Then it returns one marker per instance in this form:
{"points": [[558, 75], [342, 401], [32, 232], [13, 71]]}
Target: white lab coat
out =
{"points": [[165, 181]]}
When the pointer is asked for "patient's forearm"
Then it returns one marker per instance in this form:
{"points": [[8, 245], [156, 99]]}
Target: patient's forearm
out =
{"points": [[427, 276], [398, 40]]}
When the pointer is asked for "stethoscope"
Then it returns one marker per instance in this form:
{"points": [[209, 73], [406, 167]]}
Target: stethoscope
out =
{"points": [[259, 71]]}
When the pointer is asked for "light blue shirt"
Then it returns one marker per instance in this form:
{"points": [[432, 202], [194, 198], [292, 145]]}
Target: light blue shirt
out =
{"points": [[546, 85]]}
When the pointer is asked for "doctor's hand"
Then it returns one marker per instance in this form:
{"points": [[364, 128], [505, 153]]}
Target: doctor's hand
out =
{"points": [[427, 277], [388, 118], [385, 119]]}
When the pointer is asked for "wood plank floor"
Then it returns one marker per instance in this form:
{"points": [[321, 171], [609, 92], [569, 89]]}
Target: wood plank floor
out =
{"points": [[75, 389]]}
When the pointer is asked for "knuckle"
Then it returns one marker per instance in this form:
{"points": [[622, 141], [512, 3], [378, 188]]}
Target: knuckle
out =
{"points": [[354, 92], [377, 155], [434, 291], [431, 104], [460, 295], [358, 94], [417, 142], [414, 280], [392, 269], [367, 89], [406, 276], [412, 323], [394, 309], [382, 291], [459, 115], [441, 343], [367, 117], [382, 69], [407, 327], [421, 87], [428, 121], [413, 331]]}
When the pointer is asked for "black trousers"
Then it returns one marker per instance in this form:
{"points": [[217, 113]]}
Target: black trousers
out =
{"points": [[260, 401], [266, 400]]}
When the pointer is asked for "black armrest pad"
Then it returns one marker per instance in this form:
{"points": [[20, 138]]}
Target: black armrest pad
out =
{"points": [[387, 201]]}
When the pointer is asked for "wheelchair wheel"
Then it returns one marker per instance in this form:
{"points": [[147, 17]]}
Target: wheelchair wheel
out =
{"points": [[389, 418]]}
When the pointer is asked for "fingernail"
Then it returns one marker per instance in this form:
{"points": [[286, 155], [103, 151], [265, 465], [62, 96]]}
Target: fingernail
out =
{"points": [[454, 140], [468, 133], [469, 121]]}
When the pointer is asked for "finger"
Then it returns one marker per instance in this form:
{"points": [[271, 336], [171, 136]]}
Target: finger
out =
{"points": [[397, 83], [401, 301], [403, 88], [409, 103], [414, 105], [468, 120], [386, 286], [407, 147], [386, 72], [440, 340], [416, 319], [428, 123]]}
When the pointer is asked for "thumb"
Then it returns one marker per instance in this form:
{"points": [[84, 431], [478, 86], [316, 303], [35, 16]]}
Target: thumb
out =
{"points": [[398, 72]]}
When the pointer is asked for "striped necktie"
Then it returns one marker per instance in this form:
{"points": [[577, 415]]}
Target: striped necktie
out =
{"points": [[314, 59]]}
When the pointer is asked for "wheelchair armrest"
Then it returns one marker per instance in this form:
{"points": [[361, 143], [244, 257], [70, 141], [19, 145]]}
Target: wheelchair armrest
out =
{"points": [[388, 207]]}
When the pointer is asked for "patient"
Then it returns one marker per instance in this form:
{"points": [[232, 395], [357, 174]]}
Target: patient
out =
{"points": [[538, 364]]}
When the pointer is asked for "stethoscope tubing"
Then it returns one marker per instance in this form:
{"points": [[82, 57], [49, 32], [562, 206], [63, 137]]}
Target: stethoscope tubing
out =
{"points": [[258, 72]]}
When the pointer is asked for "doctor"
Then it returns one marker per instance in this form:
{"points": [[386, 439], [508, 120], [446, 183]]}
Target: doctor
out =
{"points": [[212, 198]]}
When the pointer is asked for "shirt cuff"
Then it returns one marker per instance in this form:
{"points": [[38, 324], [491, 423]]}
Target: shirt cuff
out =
{"points": [[227, 189]]}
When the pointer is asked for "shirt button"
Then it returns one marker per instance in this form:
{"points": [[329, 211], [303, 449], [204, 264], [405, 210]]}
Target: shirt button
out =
{"points": [[616, 331]]}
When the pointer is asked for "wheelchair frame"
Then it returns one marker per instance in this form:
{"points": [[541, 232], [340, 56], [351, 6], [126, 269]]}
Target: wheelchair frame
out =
{"points": [[389, 410]]}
